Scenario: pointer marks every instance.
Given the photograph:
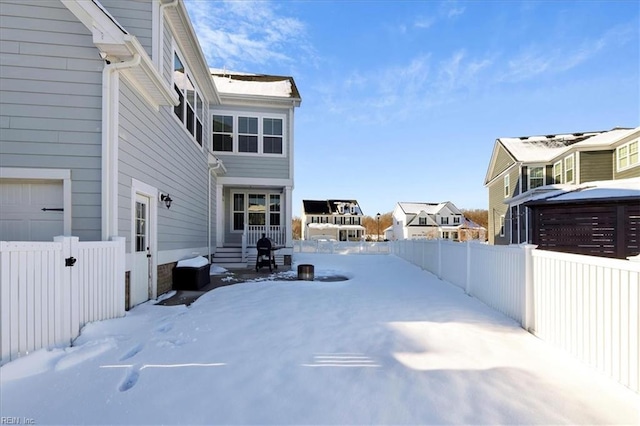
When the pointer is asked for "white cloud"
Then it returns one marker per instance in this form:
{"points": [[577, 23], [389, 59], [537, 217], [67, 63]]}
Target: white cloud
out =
{"points": [[242, 34]]}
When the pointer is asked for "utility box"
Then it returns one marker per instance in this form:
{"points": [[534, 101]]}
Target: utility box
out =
{"points": [[191, 274]]}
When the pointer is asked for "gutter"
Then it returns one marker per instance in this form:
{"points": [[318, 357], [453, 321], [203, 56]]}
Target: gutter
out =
{"points": [[110, 125]]}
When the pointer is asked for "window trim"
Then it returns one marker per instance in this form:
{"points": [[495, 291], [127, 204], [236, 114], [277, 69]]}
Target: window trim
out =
{"points": [[198, 117], [507, 186], [543, 177], [559, 172], [502, 226], [627, 156], [260, 116], [566, 170]]}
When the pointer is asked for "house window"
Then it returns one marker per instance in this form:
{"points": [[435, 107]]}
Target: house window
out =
{"points": [[444, 221], [422, 221], [568, 169], [507, 189], [454, 236], [272, 135], [536, 177], [502, 226], [257, 209], [445, 235], [456, 220], [557, 172], [190, 110], [627, 155], [251, 208], [248, 134], [238, 212], [223, 133], [274, 210]]}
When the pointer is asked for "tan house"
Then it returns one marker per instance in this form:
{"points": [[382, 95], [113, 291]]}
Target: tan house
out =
{"points": [[522, 168]]}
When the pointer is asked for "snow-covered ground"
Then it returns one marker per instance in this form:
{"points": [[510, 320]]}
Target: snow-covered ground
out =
{"points": [[391, 345]]}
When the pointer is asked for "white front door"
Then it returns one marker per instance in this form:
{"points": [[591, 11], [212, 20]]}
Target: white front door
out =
{"points": [[141, 278], [31, 210]]}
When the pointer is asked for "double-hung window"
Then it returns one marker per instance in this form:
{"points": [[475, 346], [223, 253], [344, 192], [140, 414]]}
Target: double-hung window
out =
{"points": [[190, 110], [536, 177], [247, 134], [557, 172], [259, 134], [627, 155], [422, 221], [456, 220], [272, 135], [568, 169], [444, 220], [223, 133], [507, 186]]}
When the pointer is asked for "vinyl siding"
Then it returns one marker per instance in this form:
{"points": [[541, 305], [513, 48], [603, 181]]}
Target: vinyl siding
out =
{"points": [[596, 165], [52, 123], [135, 16], [255, 166], [503, 161], [497, 206], [157, 150], [628, 173]]}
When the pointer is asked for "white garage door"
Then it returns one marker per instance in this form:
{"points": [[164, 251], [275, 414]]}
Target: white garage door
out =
{"points": [[31, 210]]}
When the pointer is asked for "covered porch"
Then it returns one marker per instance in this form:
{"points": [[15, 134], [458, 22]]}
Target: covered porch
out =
{"points": [[246, 212]]}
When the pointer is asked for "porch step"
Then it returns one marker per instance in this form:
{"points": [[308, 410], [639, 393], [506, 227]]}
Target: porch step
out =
{"points": [[231, 258]]}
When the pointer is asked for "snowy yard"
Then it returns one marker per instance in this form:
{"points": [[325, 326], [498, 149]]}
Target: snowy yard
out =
{"points": [[391, 345]]}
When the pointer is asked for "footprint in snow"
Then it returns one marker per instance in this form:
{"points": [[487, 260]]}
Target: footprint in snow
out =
{"points": [[132, 352], [130, 380]]}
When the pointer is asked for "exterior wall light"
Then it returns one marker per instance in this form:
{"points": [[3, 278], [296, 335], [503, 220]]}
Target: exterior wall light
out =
{"points": [[167, 200]]}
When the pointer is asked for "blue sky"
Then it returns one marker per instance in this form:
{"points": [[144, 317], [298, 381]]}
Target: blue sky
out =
{"points": [[403, 100]]}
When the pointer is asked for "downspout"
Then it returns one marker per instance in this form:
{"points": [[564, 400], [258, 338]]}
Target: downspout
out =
{"points": [[110, 125], [211, 169]]}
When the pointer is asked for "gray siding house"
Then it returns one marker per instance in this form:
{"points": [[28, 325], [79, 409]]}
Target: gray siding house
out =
{"points": [[108, 111], [522, 169]]}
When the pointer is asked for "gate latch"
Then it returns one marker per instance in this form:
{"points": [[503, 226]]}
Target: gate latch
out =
{"points": [[70, 261]]}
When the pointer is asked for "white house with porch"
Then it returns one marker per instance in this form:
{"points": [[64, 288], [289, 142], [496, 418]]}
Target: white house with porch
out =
{"points": [[430, 221], [339, 220]]}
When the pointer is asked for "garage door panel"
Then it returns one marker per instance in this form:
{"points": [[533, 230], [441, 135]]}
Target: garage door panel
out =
{"points": [[22, 217]]}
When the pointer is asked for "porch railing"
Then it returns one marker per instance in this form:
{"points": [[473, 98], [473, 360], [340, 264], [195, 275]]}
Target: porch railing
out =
{"points": [[253, 233]]}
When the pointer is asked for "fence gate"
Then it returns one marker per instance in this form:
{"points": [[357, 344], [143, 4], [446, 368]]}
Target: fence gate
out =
{"points": [[50, 290]]}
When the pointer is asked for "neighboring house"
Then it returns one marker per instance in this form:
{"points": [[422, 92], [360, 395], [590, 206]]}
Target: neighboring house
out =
{"points": [[524, 167], [339, 220], [432, 221], [109, 111], [600, 218]]}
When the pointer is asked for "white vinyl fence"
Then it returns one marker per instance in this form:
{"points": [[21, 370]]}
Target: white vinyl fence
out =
{"points": [[50, 290], [586, 305], [340, 247]]}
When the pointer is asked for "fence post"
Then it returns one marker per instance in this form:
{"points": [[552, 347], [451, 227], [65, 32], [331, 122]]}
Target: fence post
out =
{"points": [[120, 274], [68, 306], [439, 271], [529, 302], [467, 288]]}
